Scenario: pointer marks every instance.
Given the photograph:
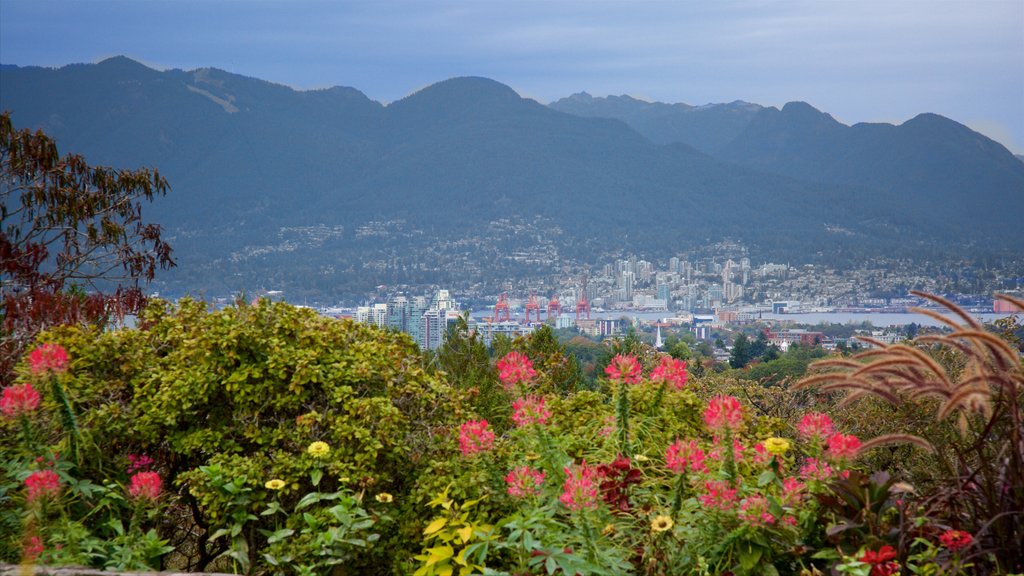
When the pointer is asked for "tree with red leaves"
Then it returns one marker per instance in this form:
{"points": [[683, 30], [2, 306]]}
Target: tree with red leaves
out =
{"points": [[73, 244]]}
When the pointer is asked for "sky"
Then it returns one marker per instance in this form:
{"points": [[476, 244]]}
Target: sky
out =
{"points": [[859, 60]]}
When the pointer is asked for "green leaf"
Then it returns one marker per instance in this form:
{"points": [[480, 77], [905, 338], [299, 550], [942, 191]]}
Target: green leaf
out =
{"points": [[434, 526], [766, 478], [280, 535], [308, 499], [315, 476]]}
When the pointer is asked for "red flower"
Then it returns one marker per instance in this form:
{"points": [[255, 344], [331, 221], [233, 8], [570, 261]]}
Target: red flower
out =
{"points": [[956, 540], [671, 371], [881, 561], [724, 412], [843, 446], [475, 437], [48, 358], [145, 486], [679, 456], [32, 548], [530, 410], [624, 368], [515, 368], [19, 399], [42, 484], [719, 495], [815, 425]]}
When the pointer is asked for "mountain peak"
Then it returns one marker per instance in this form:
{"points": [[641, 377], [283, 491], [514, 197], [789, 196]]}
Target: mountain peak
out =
{"points": [[474, 87], [123, 63]]}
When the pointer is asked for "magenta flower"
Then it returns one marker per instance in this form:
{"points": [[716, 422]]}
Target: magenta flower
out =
{"points": [[815, 426], [515, 368], [682, 455], [671, 371], [48, 358], [139, 463], [475, 437], [624, 368], [530, 410], [32, 548], [579, 490], [145, 486], [724, 412], [843, 446], [792, 491], [19, 399], [524, 481], [718, 495], [42, 484]]}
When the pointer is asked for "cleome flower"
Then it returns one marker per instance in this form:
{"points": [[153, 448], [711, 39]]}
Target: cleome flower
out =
{"points": [[475, 437], [19, 399], [580, 489], [515, 368], [624, 368], [682, 455], [42, 484], [815, 425], [843, 446], [718, 495], [48, 358], [318, 449], [724, 412], [145, 486], [670, 371], [275, 484], [524, 481], [530, 410]]}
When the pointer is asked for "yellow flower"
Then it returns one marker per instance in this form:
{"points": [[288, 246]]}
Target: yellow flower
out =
{"points": [[776, 446], [344, 479], [661, 523], [384, 497], [318, 449], [274, 484], [641, 458], [608, 530]]}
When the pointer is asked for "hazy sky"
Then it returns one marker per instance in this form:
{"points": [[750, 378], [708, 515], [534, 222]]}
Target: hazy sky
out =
{"points": [[860, 60]]}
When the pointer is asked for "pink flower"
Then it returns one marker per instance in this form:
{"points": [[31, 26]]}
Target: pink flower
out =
{"points": [[956, 540], [671, 371], [32, 548], [48, 358], [718, 495], [724, 412], [475, 437], [139, 463], [682, 455], [815, 426], [814, 469], [754, 511], [19, 399], [579, 490], [530, 410], [42, 484], [524, 481], [761, 455], [515, 368], [145, 486], [843, 446], [624, 368], [792, 491]]}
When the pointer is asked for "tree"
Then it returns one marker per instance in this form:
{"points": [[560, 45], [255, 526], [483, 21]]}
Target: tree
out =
{"points": [[740, 355], [73, 245]]}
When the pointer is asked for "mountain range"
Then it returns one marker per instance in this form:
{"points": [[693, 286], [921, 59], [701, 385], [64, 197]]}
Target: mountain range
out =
{"points": [[334, 193]]}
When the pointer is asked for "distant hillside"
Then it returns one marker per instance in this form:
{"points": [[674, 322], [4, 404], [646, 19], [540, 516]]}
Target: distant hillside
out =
{"points": [[331, 192]]}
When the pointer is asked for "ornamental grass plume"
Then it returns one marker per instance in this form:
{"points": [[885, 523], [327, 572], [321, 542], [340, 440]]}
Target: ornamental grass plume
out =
{"points": [[42, 485], [48, 358], [580, 488], [723, 413], [515, 368], [475, 437], [145, 486], [530, 410], [624, 368], [18, 400], [523, 481]]}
